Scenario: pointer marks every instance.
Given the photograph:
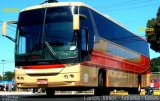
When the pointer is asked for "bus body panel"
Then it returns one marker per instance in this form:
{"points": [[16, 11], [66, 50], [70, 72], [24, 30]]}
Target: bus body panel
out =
{"points": [[105, 57], [78, 75], [117, 49], [112, 49], [126, 79]]}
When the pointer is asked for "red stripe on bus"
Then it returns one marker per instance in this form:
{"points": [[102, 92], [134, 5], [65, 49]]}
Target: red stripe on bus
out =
{"points": [[44, 66], [111, 61]]}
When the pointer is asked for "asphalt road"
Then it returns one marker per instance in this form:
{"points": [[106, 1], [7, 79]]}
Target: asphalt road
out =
{"points": [[43, 97]]}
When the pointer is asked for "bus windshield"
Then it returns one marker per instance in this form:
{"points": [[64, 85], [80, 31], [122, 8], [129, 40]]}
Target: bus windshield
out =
{"points": [[44, 34]]}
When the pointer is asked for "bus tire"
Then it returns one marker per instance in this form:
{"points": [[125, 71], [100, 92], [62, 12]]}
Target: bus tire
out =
{"points": [[133, 91], [50, 92], [98, 90], [101, 89]]}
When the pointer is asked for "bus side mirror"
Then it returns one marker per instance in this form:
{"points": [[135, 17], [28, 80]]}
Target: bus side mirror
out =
{"points": [[4, 28], [76, 22]]}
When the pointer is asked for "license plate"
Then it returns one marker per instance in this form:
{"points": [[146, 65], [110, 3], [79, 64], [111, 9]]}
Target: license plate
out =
{"points": [[42, 81]]}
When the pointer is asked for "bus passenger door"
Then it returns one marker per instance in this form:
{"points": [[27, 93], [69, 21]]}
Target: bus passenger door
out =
{"points": [[84, 43]]}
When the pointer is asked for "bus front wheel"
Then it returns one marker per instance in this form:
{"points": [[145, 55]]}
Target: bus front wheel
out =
{"points": [[50, 92]]}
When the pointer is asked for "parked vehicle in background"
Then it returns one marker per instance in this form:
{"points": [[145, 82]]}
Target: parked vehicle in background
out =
{"points": [[1, 88], [156, 82]]}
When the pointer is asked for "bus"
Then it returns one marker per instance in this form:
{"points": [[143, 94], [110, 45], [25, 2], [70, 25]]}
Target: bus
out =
{"points": [[71, 46]]}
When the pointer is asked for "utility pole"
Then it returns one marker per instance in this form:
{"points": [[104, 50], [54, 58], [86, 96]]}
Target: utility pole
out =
{"points": [[3, 71]]}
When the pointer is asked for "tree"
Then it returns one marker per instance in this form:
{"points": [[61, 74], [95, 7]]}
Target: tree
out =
{"points": [[0, 77], [155, 65], [153, 32], [9, 75], [158, 13]]}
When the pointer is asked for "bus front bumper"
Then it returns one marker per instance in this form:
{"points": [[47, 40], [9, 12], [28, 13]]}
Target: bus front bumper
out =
{"points": [[68, 79]]}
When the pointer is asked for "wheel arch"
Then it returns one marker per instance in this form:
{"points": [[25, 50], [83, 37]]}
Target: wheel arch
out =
{"points": [[103, 71]]}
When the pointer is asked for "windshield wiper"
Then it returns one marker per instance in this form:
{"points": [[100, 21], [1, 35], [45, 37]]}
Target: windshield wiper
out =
{"points": [[53, 52]]}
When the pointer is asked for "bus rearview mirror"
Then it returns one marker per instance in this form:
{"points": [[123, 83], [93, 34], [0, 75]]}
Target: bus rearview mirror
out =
{"points": [[76, 22], [4, 28]]}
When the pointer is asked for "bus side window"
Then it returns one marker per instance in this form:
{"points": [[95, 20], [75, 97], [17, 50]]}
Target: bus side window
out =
{"points": [[23, 45], [84, 44], [84, 37]]}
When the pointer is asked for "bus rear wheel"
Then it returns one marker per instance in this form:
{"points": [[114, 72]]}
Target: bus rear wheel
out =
{"points": [[133, 91], [50, 92]]}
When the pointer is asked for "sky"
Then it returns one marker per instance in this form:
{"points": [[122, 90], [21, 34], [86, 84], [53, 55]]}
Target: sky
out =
{"points": [[133, 14]]}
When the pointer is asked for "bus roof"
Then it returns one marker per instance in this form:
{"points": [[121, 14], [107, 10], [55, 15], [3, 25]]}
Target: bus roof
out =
{"points": [[77, 4], [55, 5]]}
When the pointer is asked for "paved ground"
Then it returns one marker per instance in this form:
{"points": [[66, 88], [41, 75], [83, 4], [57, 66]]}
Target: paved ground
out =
{"points": [[28, 96], [16, 93]]}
